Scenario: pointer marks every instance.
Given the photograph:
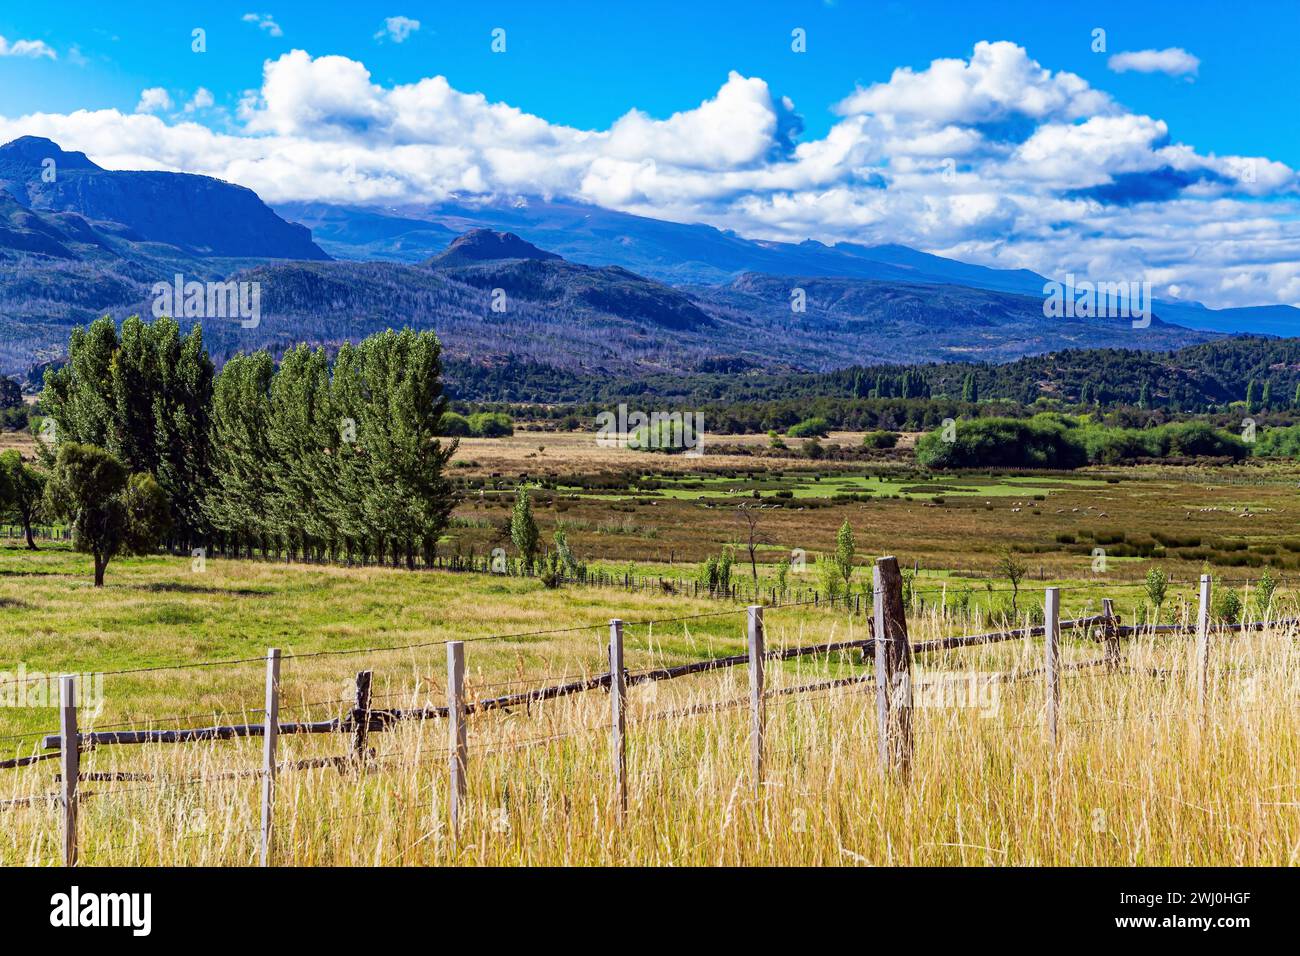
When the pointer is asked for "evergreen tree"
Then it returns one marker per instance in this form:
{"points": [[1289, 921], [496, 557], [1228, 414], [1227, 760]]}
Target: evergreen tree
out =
{"points": [[1252, 402], [1266, 401]]}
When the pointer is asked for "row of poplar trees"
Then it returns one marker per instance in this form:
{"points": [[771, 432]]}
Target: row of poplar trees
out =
{"points": [[309, 455]]}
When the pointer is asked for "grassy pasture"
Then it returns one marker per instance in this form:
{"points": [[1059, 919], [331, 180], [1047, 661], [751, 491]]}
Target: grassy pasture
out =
{"points": [[1136, 780]]}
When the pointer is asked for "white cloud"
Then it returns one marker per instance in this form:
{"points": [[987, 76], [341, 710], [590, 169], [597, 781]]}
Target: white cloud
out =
{"points": [[1175, 61], [201, 100], [398, 29], [154, 100], [264, 21], [994, 159], [999, 80], [27, 48]]}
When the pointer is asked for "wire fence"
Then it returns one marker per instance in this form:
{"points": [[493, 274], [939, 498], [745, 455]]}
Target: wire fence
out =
{"points": [[886, 656]]}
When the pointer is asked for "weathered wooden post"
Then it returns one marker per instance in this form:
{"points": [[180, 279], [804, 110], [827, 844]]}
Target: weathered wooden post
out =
{"points": [[1203, 650], [271, 729], [70, 761], [757, 702], [618, 720], [361, 718], [457, 738], [893, 671], [1052, 658], [1110, 634]]}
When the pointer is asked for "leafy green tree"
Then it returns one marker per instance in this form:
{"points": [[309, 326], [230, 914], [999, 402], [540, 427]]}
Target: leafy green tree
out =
{"points": [[1266, 400], [969, 389], [11, 393], [1157, 586], [845, 549], [1252, 396], [1264, 590], [406, 495], [725, 563], [782, 577], [243, 462], [810, 428], [110, 510], [22, 488], [302, 424], [490, 425], [523, 529], [1227, 606], [143, 395], [832, 577], [455, 424]]}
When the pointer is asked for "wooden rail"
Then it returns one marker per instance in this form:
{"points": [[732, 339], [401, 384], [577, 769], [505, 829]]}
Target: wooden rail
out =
{"points": [[891, 681], [381, 719]]}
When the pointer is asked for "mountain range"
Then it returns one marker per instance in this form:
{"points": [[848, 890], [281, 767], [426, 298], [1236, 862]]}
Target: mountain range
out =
{"points": [[562, 284]]}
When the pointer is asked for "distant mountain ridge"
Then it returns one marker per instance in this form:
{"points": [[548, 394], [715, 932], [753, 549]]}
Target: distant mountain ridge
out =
{"points": [[697, 254], [198, 214], [564, 291]]}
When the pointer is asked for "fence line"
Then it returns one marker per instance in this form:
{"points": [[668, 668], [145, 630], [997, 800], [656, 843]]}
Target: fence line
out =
{"points": [[891, 680]]}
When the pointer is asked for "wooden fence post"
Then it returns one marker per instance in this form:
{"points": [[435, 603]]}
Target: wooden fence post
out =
{"points": [[1052, 657], [70, 760], [757, 702], [893, 671], [618, 720], [1110, 634], [270, 731], [1203, 649], [361, 718], [457, 738]]}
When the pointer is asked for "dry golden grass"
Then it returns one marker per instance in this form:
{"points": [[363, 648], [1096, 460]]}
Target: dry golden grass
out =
{"points": [[1135, 779], [533, 451]]}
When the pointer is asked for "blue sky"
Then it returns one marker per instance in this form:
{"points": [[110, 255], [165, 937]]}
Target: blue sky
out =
{"points": [[1217, 81]]}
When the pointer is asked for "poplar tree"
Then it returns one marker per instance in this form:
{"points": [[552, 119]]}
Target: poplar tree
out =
{"points": [[523, 529], [238, 501], [144, 397]]}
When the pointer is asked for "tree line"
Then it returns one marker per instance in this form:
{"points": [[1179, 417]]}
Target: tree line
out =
{"points": [[151, 445]]}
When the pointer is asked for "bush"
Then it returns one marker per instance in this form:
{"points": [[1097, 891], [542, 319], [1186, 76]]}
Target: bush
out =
{"points": [[670, 436], [490, 425], [454, 425], [880, 439], [1227, 607], [1044, 441], [810, 428], [1050, 440]]}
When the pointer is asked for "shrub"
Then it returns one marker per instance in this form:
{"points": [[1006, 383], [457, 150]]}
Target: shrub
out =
{"points": [[880, 439], [454, 425], [810, 428], [1040, 442], [491, 425], [1227, 606]]}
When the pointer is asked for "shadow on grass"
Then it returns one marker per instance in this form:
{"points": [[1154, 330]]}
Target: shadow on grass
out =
{"points": [[178, 587]]}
